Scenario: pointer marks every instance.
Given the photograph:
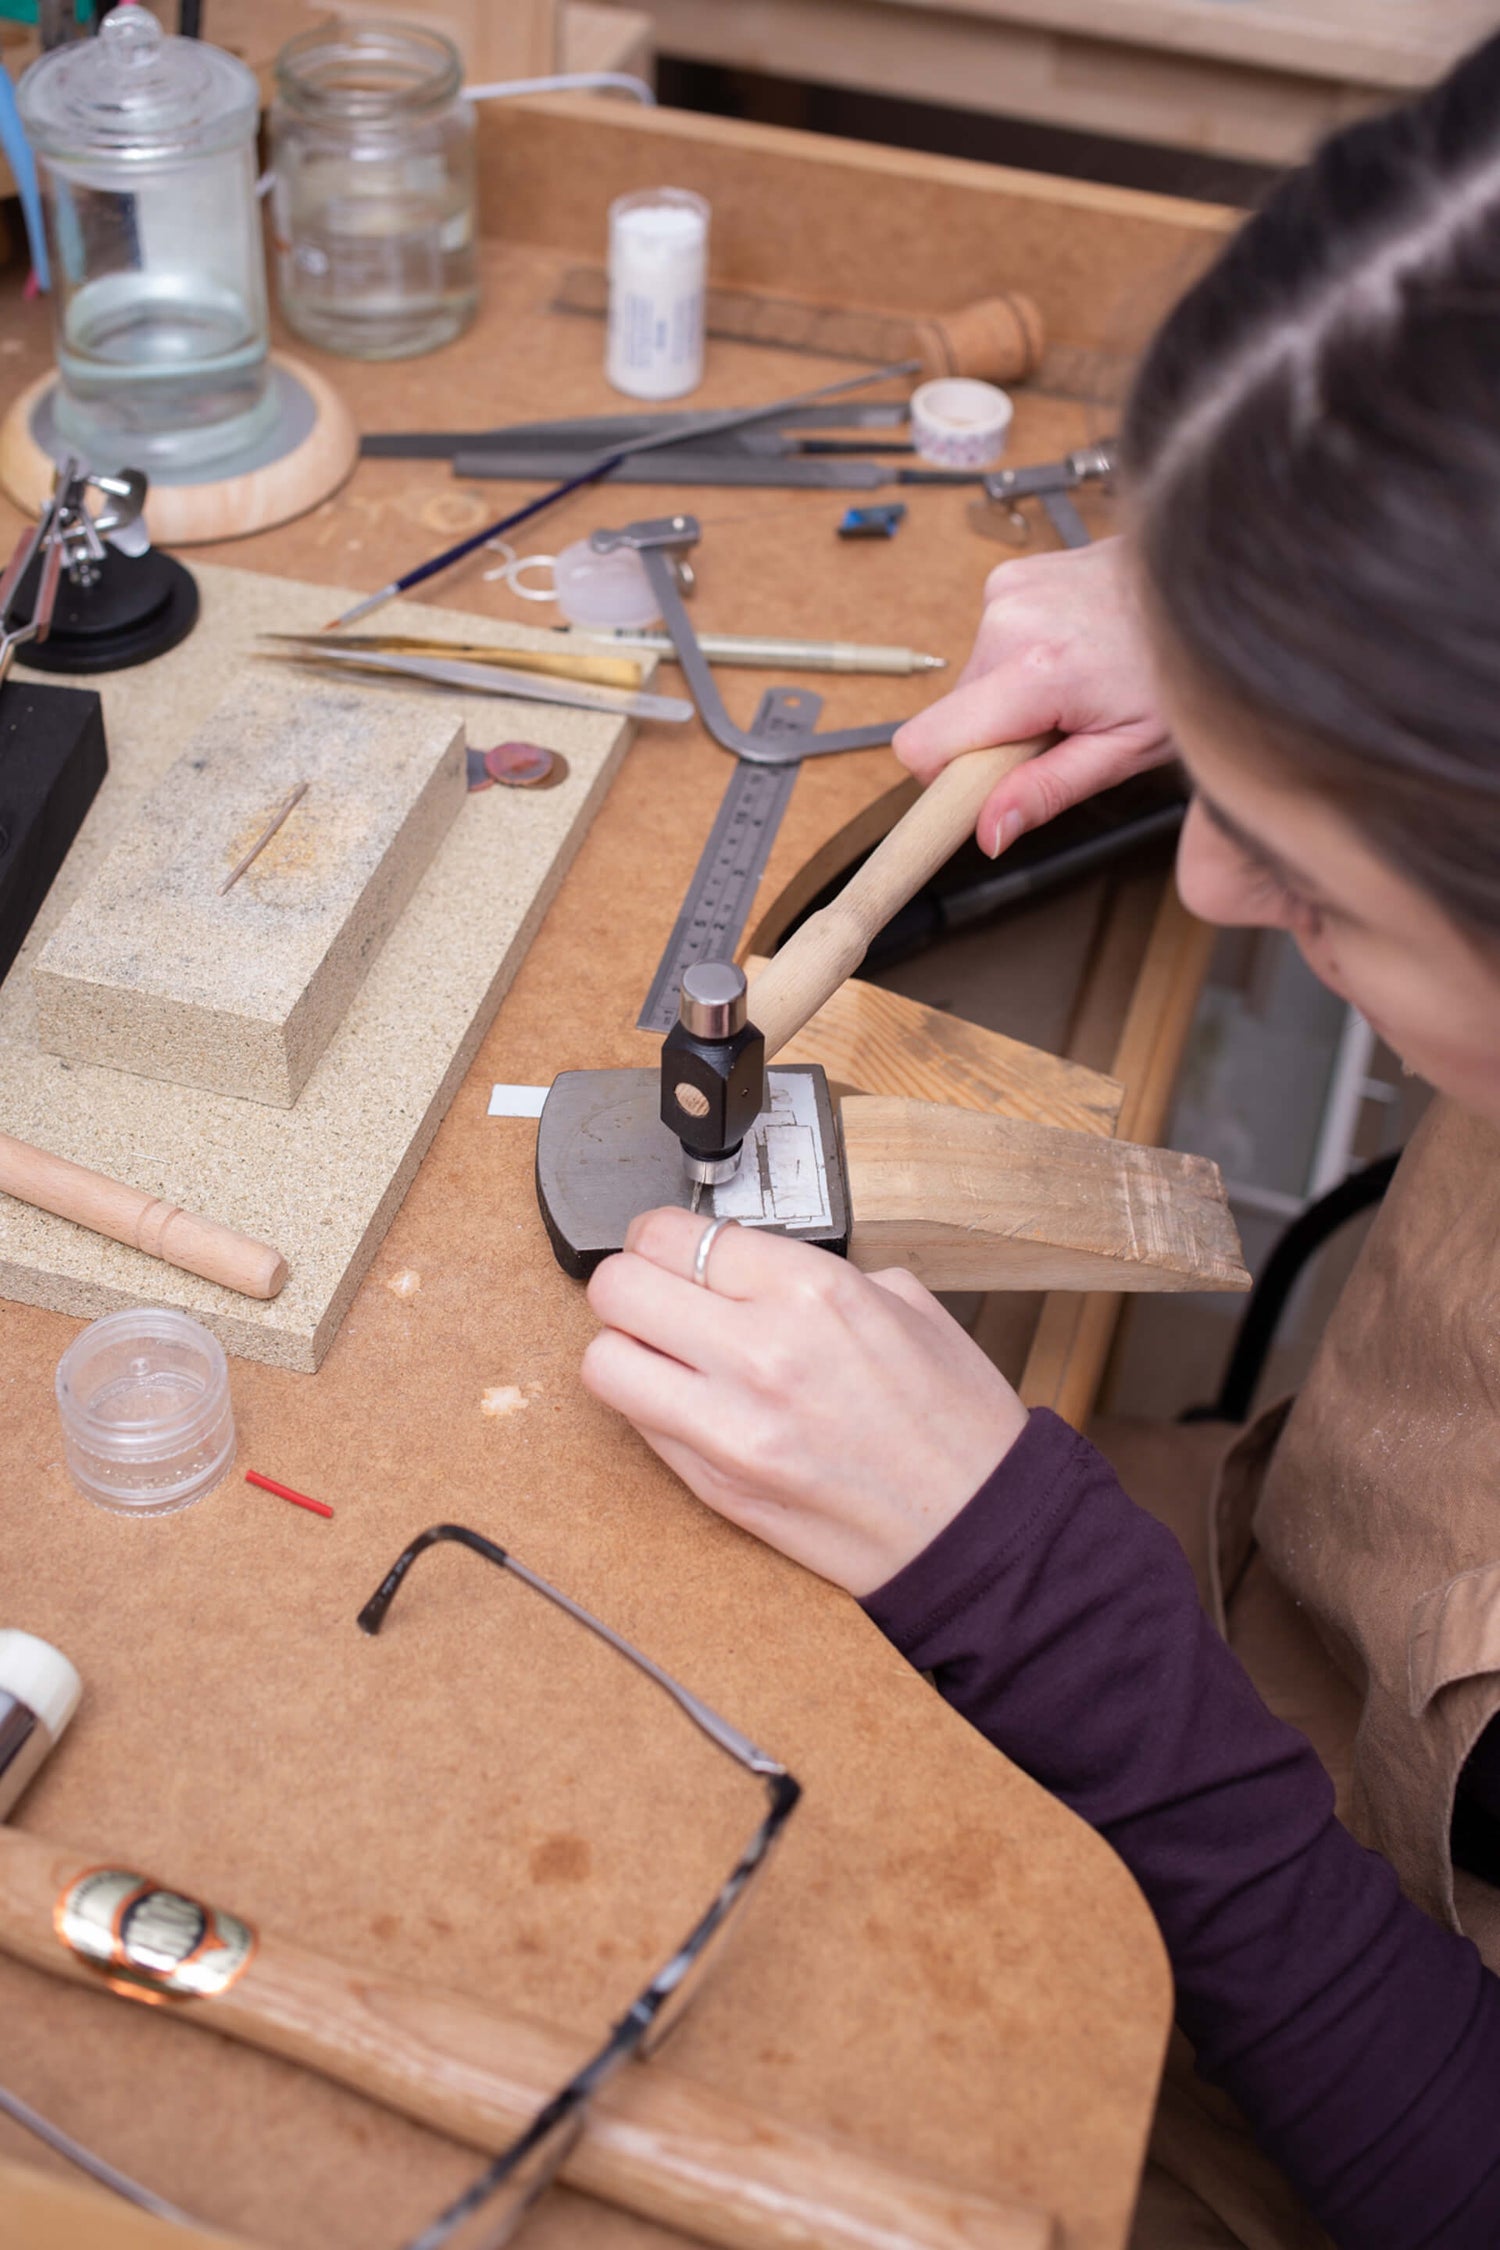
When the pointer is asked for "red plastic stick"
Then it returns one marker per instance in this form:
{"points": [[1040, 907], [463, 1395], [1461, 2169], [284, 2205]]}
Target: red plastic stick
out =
{"points": [[285, 1492]]}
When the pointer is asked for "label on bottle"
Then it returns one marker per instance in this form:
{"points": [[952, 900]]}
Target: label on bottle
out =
{"points": [[658, 256], [148, 1943]]}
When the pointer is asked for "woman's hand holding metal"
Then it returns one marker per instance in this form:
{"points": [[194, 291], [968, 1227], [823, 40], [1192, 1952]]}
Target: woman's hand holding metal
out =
{"points": [[843, 1417]]}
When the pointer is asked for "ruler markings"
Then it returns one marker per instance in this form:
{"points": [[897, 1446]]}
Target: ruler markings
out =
{"points": [[724, 882]]}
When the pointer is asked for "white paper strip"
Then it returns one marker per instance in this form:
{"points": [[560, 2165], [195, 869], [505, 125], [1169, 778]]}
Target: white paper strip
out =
{"points": [[516, 1101]]}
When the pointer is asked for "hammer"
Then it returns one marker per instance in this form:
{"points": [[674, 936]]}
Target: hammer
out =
{"points": [[655, 2143], [614, 1143]]}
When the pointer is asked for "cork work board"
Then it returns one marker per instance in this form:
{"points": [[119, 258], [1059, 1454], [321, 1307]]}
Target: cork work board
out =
{"points": [[320, 1180]]}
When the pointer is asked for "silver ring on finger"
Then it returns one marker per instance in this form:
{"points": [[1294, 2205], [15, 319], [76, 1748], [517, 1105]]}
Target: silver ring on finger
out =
{"points": [[704, 1251]]}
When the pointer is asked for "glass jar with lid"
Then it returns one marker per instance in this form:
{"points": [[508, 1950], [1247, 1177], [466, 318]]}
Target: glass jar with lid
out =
{"points": [[372, 145], [146, 149]]}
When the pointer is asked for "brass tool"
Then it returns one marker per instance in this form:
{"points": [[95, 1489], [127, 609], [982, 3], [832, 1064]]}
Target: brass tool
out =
{"points": [[558, 664], [492, 679]]}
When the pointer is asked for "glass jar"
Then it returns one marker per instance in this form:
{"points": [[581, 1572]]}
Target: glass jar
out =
{"points": [[372, 145], [146, 149]]}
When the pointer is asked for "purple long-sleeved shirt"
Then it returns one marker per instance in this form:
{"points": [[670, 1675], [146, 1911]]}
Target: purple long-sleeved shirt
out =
{"points": [[1361, 2040]]}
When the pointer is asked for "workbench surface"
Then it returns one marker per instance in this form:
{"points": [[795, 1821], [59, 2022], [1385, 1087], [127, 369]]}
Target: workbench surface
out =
{"points": [[946, 1967]]}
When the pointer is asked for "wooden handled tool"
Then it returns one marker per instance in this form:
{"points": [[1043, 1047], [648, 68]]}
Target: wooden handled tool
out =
{"points": [[655, 2143], [831, 944], [962, 1201], [1000, 339], [145, 1222]]}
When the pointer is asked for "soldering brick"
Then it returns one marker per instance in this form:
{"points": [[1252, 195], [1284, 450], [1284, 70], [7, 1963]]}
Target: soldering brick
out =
{"points": [[155, 970]]}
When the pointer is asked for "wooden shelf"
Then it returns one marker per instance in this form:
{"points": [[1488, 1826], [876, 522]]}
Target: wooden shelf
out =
{"points": [[1261, 80]]}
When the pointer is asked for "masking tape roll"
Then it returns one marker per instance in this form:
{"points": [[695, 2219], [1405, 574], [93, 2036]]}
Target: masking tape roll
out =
{"points": [[959, 423]]}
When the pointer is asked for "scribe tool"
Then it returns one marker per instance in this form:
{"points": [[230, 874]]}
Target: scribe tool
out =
{"points": [[564, 663], [766, 652]]}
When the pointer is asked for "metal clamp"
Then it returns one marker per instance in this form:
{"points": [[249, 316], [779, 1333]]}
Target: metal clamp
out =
{"points": [[68, 536], [785, 727]]}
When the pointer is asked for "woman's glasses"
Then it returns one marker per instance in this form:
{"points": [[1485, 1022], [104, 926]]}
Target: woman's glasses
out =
{"points": [[490, 2210]]}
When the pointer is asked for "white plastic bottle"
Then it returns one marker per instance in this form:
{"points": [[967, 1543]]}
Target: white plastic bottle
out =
{"points": [[658, 267]]}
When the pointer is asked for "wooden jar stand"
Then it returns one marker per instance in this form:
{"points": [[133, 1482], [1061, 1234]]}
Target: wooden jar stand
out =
{"points": [[224, 507]]}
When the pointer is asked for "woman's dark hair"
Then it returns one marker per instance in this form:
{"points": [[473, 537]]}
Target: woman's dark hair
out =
{"points": [[1313, 446]]}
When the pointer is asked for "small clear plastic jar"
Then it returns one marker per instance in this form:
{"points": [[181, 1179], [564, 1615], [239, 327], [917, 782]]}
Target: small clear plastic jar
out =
{"points": [[146, 147], [372, 145], [147, 1422]]}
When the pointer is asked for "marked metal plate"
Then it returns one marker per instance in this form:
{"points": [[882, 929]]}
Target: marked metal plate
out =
{"points": [[603, 1154], [783, 1176]]}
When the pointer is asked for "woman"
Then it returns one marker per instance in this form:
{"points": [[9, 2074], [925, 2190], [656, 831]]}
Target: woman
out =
{"points": [[1308, 609]]}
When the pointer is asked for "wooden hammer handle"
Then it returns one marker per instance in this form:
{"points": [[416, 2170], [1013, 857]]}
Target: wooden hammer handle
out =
{"points": [[145, 1222], [655, 2144], [831, 944]]}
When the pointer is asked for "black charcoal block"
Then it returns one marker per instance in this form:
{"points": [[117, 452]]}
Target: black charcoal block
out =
{"points": [[52, 760]]}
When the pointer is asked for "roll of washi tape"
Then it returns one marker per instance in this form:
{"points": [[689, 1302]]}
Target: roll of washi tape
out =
{"points": [[959, 423]]}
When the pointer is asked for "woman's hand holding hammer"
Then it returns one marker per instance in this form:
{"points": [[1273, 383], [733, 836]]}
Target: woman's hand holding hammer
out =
{"points": [[1061, 648]]}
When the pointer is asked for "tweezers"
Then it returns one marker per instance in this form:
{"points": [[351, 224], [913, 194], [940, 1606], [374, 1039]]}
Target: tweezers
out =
{"points": [[493, 679]]}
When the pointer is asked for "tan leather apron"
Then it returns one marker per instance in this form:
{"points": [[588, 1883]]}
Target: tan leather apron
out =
{"points": [[1351, 1549]]}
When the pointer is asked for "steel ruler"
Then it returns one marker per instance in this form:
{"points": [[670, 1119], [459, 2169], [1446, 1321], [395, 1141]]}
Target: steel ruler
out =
{"points": [[724, 883]]}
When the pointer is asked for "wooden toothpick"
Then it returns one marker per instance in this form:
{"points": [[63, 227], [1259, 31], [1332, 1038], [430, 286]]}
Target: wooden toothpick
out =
{"points": [[261, 841]]}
